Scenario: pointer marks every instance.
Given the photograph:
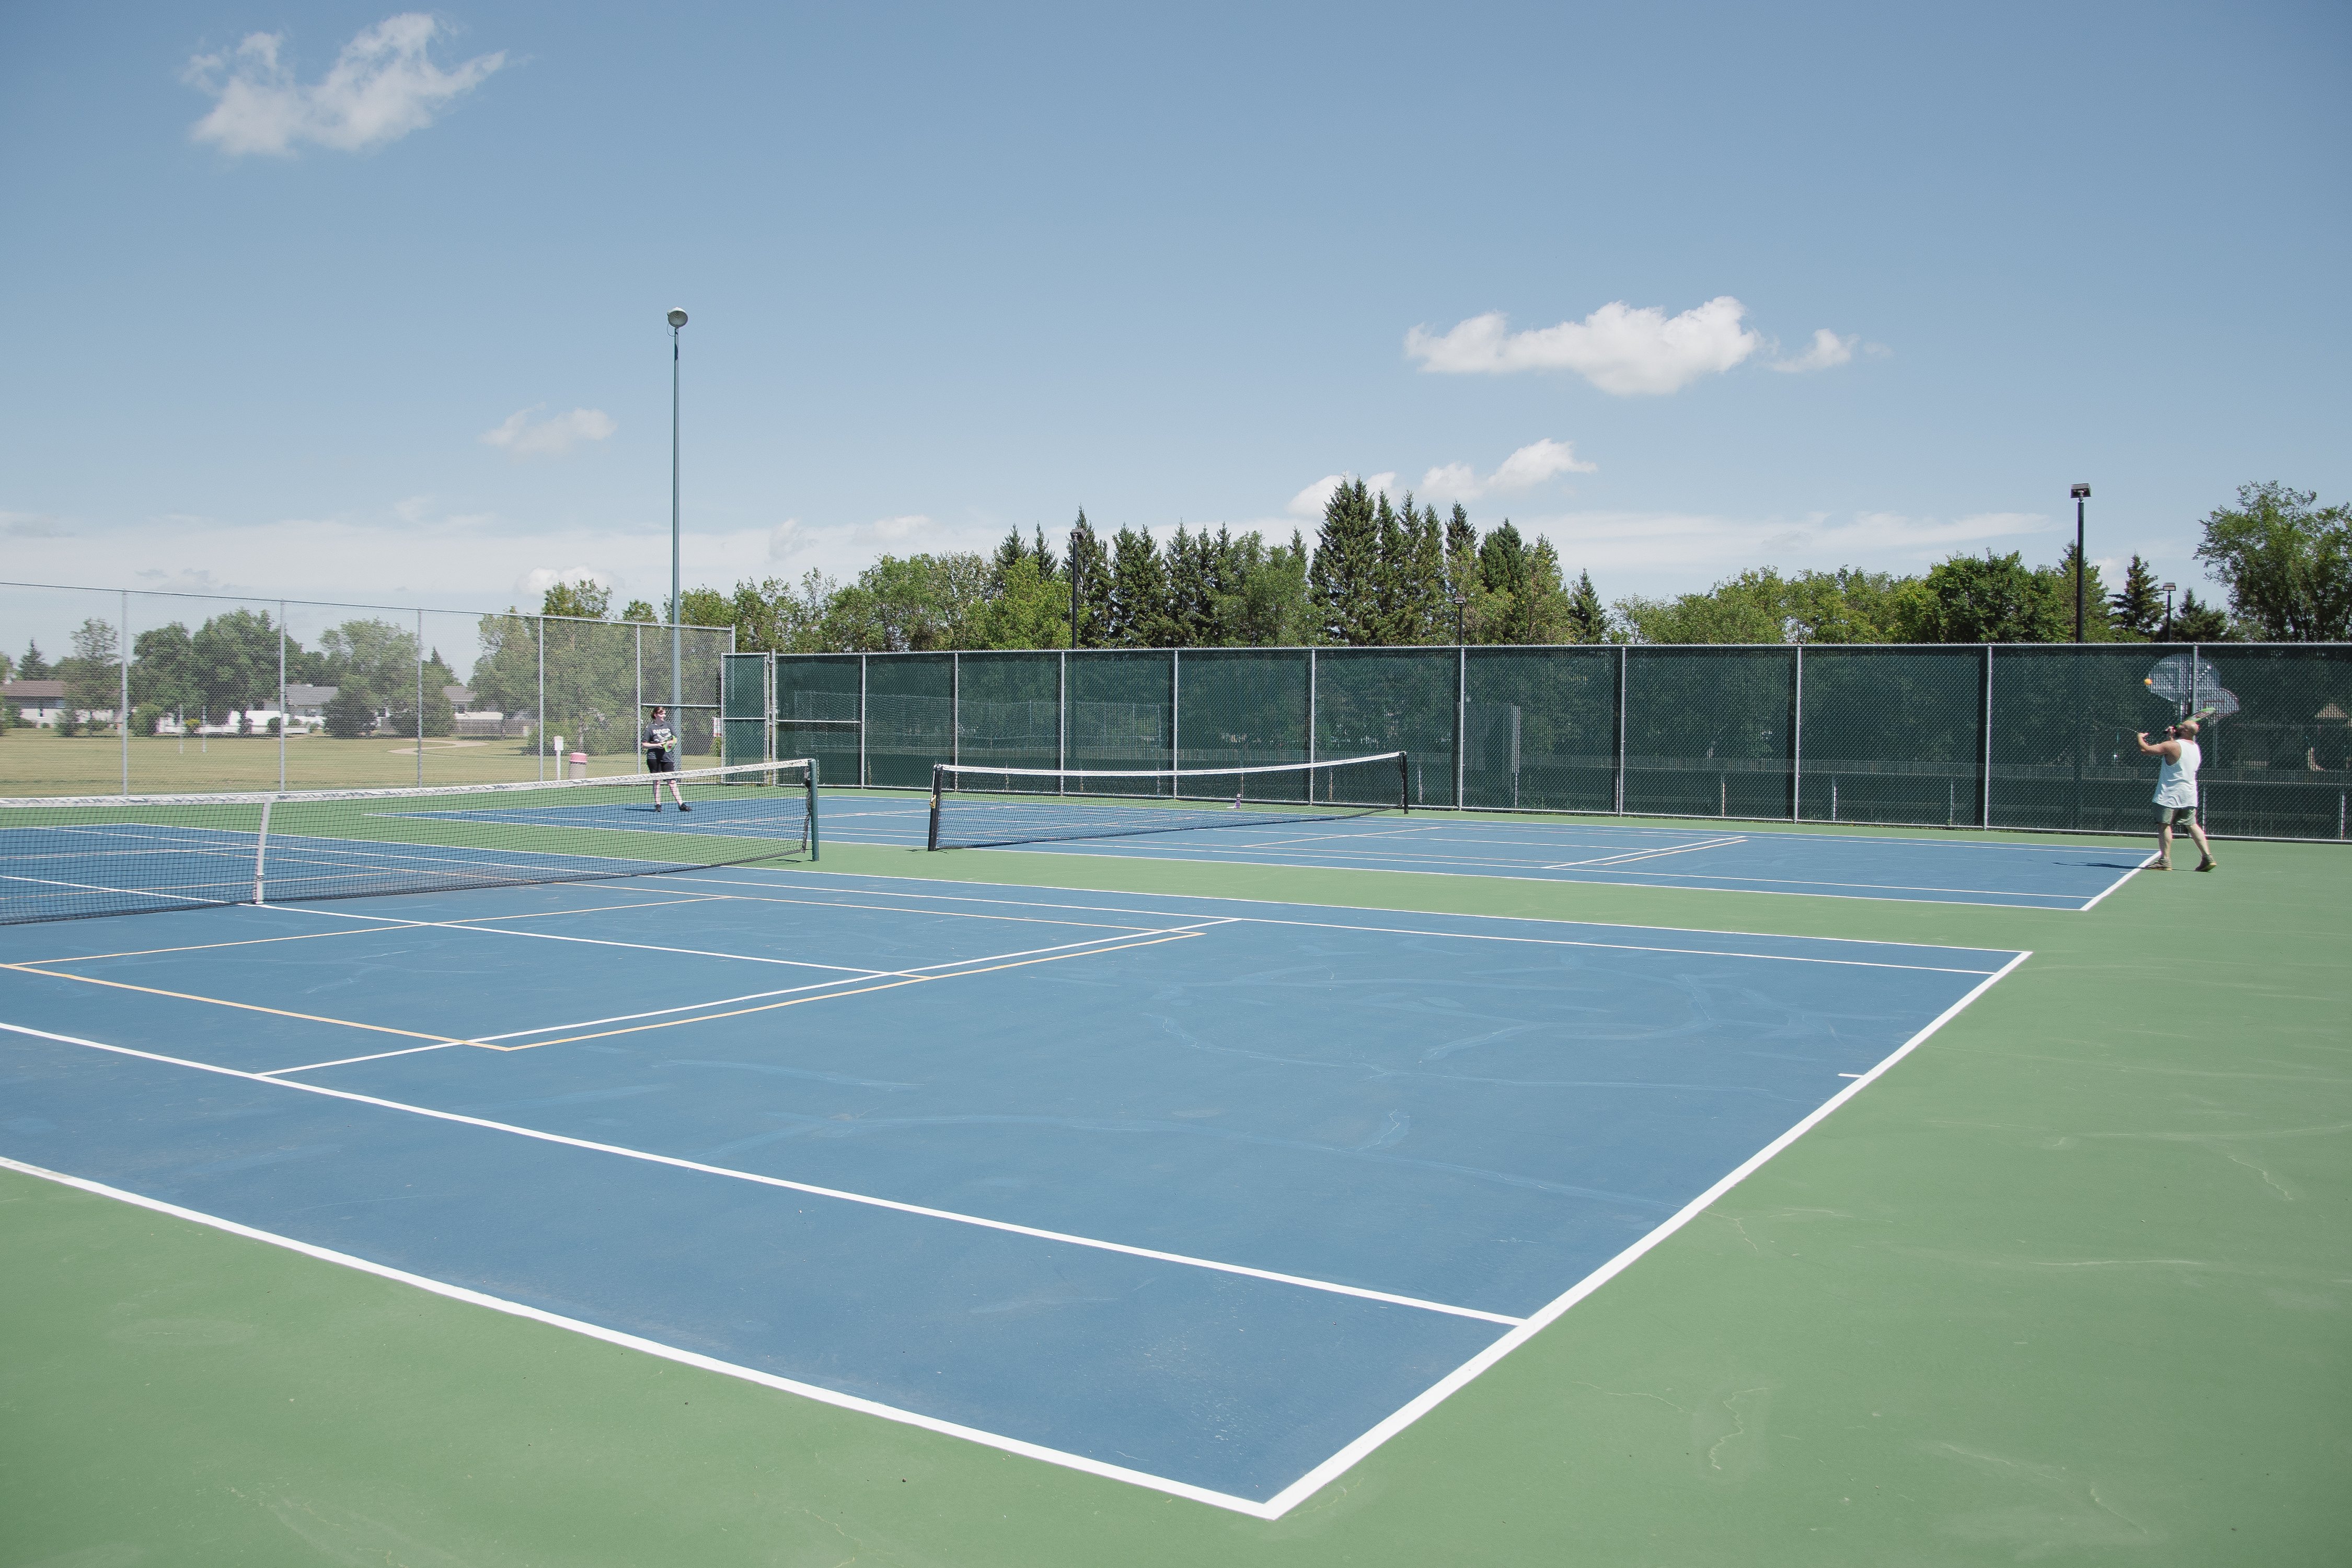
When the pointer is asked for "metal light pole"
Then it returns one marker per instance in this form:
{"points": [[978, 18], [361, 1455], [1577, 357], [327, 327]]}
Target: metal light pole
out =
{"points": [[2167, 612], [2082, 567], [1075, 568], [676, 637]]}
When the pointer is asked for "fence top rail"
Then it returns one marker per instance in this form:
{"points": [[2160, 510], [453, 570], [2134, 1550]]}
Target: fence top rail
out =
{"points": [[1326, 650], [511, 612]]}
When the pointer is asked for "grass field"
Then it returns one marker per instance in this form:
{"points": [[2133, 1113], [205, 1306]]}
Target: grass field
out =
{"points": [[38, 761], [2071, 1284]]}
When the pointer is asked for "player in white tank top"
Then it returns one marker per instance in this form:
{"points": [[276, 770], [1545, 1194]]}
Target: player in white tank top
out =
{"points": [[2179, 757]]}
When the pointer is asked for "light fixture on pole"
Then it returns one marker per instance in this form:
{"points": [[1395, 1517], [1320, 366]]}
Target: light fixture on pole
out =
{"points": [[676, 637], [2082, 567], [2167, 612]]}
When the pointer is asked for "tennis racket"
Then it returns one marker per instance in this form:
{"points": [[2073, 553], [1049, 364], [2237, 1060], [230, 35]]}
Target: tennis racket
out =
{"points": [[2193, 687]]}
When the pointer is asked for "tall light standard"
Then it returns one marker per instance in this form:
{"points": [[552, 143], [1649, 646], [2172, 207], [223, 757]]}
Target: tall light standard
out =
{"points": [[2167, 612], [2082, 567], [676, 637]]}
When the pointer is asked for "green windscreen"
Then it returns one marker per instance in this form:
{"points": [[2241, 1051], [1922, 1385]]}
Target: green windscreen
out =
{"points": [[1391, 699], [816, 712], [1707, 730], [1539, 729], [1894, 735]]}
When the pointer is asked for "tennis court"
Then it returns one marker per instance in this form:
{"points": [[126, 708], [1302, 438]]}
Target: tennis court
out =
{"points": [[1207, 1196], [2072, 874]]}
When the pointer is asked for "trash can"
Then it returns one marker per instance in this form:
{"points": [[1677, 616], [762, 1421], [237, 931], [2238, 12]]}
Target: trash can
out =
{"points": [[579, 764]]}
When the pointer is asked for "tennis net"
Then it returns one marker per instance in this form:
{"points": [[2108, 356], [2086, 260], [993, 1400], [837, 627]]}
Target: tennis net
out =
{"points": [[71, 856], [981, 808]]}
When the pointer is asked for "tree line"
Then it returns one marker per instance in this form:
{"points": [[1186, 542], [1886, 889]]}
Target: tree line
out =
{"points": [[1387, 573]]}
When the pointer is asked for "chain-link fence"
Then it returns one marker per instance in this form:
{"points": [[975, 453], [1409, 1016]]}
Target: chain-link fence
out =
{"points": [[2005, 736], [143, 692]]}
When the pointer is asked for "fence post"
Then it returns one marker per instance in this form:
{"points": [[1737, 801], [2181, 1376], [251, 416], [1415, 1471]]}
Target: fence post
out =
{"points": [[1461, 721], [1984, 812], [1797, 741], [1620, 798], [637, 663], [955, 707], [863, 777], [1175, 720], [1062, 714], [282, 697], [122, 700], [539, 719], [420, 699], [1312, 677]]}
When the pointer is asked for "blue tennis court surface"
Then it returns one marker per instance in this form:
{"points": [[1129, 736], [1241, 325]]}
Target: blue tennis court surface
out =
{"points": [[1208, 1195], [1729, 858]]}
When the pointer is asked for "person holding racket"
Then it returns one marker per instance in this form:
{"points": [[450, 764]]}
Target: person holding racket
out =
{"points": [[660, 745], [2176, 790]]}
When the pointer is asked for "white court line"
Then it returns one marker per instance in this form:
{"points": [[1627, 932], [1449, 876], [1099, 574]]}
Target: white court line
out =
{"points": [[922, 1211], [2119, 881], [1629, 856], [667, 1353], [1544, 940], [1789, 887], [396, 921], [897, 884], [920, 971], [1339, 1464]]}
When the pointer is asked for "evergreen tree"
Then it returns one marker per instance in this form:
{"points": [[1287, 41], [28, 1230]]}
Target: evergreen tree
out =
{"points": [[1421, 611], [1048, 566], [2097, 628], [1191, 589], [2194, 622], [1392, 609], [2137, 607], [1010, 552], [1091, 562], [1139, 592], [1343, 581], [33, 667], [1503, 569], [1544, 602], [1588, 620]]}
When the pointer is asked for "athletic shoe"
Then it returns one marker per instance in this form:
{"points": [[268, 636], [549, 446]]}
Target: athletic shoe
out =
{"points": [[2159, 866], [683, 807], [2208, 864], [657, 807]]}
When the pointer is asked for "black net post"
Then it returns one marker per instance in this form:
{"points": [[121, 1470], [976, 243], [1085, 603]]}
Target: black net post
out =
{"points": [[938, 781], [1404, 782]]}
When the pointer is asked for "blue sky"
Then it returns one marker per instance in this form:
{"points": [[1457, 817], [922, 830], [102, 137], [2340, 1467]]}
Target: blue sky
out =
{"points": [[339, 301]]}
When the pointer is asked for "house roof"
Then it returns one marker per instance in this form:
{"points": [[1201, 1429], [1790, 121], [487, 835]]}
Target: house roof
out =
{"points": [[310, 694], [33, 689]]}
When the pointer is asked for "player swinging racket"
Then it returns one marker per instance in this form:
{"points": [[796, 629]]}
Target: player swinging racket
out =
{"points": [[660, 745], [2176, 790]]}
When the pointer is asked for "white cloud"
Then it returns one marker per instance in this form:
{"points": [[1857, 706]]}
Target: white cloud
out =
{"points": [[1622, 351], [1827, 351], [1524, 469], [1309, 503], [380, 88], [520, 437], [532, 586]]}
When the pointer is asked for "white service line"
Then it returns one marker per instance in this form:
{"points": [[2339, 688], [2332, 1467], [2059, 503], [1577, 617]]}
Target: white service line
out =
{"points": [[897, 888], [850, 970], [868, 1200]]}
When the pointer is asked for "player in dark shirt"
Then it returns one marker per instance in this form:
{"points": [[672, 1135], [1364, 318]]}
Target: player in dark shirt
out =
{"points": [[660, 743]]}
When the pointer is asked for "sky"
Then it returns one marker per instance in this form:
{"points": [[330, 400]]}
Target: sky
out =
{"points": [[340, 301]]}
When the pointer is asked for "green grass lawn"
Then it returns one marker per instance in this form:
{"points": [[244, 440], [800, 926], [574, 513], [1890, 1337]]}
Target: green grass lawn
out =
{"points": [[39, 761], [2072, 1284]]}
